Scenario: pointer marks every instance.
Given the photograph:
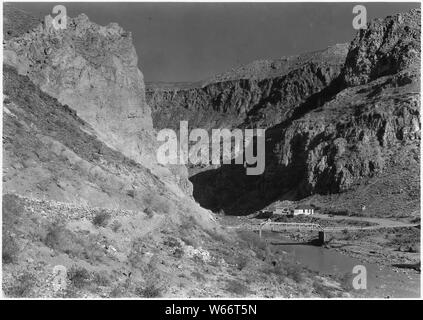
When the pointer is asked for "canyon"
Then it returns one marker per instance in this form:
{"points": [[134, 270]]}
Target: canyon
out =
{"points": [[82, 187], [336, 120]]}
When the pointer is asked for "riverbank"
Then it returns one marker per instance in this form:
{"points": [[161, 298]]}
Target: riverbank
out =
{"points": [[391, 254]]}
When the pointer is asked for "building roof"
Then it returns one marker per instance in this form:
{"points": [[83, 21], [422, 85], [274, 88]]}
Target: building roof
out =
{"points": [[304, 207]]}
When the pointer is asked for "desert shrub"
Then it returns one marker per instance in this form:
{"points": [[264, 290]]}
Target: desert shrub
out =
{"points": [[22, 287], [79, 277], [117, 292], [406, 240], [321, 290], [178, 253], [69, 293], [295, 273], [190, 241], [157, 203], [116, 225], [275, 266], [237, 287], [151, 290], [12, 208], [215, 234], [100, 279], [171, 242], [153, 283], [10, 249], [131, 193], [346, 281], [81, 246], [153, 280], [285, 268], [256, 244], [199, 276], [101, 219], [346, 235], [242, 262], [54, 235], [149, 212], [187, 225], [136, 254]]}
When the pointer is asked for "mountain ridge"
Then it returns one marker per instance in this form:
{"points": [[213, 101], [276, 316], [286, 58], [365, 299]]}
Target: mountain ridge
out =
{"points": [[307, 140]]}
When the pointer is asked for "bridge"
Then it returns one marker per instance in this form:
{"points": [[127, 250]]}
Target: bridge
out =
{"points": [[285, 226]]}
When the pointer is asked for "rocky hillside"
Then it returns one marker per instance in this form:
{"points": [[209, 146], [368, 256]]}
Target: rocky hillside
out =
{"points": [[49, 152], [70, 201], [345, 135], [81, 194], [93, 69], [261, 94]]}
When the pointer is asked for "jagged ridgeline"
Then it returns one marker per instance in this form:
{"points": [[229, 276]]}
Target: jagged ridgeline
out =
{"points": [[260, 94], [338, 121], [93, 69]]}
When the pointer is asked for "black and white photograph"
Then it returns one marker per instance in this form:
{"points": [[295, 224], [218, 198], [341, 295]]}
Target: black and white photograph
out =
{"points": [[211, 150]]}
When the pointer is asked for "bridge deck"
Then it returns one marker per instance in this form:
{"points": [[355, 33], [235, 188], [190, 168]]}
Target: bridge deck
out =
{"points": [[280, 226]]}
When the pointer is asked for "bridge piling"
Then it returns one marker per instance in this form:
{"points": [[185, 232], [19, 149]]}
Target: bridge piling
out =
{"points": [[322, 238]]}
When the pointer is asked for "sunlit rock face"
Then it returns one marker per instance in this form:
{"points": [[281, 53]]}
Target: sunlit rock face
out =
{"points": [[386, 47], [93, 69]]}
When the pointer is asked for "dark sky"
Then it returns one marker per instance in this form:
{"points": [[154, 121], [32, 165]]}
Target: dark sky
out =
{"points": [[179, 42]]}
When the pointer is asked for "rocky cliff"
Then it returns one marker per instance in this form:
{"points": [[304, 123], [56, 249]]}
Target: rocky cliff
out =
{"points": [[386, 47], [93, 69], [261, 94], [346, 131], [49, 152]]}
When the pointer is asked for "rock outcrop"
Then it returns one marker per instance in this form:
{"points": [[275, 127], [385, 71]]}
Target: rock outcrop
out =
{"points": [[51, 153], [386, 47], [349, 132], [93, 69], [261, 94]]}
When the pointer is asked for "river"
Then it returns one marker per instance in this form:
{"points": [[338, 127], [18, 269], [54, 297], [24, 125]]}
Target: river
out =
{"points": [[382, 281]]}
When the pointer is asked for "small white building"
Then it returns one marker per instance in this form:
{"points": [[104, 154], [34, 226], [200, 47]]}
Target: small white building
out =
{"points": [[281, 211], [304, 209]]}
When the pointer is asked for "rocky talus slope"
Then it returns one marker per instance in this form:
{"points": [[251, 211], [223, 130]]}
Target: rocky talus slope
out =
{"points": [[330, 130]]}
